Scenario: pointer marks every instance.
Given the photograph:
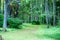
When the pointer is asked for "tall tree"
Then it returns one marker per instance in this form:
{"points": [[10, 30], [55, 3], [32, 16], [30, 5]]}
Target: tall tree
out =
{"points": [[47, 12], [31, 11], [2, 6], [54, 12], [5, 15]]}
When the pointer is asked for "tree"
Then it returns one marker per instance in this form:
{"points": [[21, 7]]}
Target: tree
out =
{"points": [[47, 12], [30, 11], [5, 15], [2, 6], [54, 12]]}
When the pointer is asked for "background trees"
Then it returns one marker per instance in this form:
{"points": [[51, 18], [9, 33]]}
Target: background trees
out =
{"points": [[32, 11]]}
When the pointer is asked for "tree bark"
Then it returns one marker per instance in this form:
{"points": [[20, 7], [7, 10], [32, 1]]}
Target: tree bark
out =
{"points": [[47, 12], [5, 16], [54, 12]]}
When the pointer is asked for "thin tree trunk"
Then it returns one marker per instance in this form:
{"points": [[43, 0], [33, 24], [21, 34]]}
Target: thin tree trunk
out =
{"points": [[31, 10], [54, 11], [41, 5], [47, 12], [2, 6]]}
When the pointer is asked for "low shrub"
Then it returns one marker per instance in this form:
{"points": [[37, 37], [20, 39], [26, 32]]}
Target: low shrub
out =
{"points": [[14, 23], [11, 22], [35, 22]]}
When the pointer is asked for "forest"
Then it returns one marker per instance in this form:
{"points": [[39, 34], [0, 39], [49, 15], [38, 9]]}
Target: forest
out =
{"points": [[29, 19]]}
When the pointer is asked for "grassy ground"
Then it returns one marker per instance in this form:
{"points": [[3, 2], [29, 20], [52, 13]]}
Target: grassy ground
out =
{"points": [[32, 32]]}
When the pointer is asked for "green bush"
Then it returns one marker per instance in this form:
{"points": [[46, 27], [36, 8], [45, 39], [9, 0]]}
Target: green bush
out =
{"points": [[11, 22], [14, 23], [1, 20], [35, 22]]}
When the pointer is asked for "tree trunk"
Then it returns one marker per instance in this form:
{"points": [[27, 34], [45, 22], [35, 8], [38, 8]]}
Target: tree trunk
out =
{"points": [[31, 10], [47, 12], [54, 12], [5, 16], [2, 6]]}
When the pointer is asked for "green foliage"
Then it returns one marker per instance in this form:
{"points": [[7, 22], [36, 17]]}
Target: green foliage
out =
{"points": [[11, 22], [14, 23], [31, 8], [35, 22], [1, 20]]}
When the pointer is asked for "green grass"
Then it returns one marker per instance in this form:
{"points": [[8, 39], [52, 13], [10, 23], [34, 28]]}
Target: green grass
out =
{"points": [[32, 32]]}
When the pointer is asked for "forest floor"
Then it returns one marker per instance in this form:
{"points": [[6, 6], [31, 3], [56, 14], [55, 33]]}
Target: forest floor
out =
{"points": [[32, 32]]}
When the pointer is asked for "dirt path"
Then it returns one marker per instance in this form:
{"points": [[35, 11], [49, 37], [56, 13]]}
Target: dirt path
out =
{"points": [[25, 34]]}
